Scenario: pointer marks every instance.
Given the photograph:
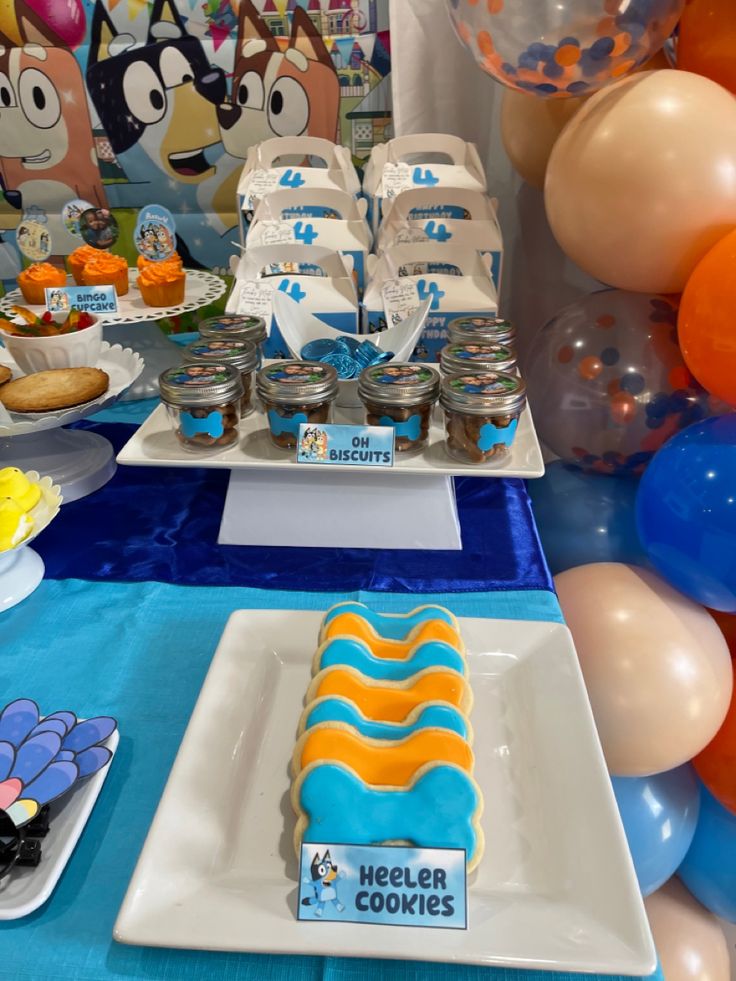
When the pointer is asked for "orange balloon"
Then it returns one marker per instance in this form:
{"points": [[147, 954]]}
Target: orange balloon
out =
{"points": [[707, 38], [706, 326], [727, 623], [716, 765]]}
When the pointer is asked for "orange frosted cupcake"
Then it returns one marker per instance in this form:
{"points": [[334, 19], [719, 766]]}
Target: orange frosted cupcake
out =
{"points": [[36, 278], [106, 269], [79, 257], [174, 259], [162, 284]]}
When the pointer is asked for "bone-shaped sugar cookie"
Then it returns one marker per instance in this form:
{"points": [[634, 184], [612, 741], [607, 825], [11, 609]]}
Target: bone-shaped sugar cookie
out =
{"points": [[378, 762], [357, 654], [441, 809], [432, 715], [392, 701], [393, 626], [352, 625]]}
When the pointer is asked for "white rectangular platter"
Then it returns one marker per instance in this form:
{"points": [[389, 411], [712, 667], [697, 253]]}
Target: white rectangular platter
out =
{"points": [[555, 889], [155, 445]]}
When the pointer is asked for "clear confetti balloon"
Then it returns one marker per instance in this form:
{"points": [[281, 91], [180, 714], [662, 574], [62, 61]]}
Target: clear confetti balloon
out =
{"points": [[607, 382], [562, 48]]}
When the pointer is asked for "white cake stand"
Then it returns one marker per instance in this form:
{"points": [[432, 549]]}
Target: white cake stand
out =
{"points": [[134, 325], [78, 461]]}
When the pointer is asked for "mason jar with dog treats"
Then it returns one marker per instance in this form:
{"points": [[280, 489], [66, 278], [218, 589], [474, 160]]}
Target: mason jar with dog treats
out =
{"points": [[203, 404], [401, 395], [242, 355], [459, 358], [236, 327], [295, 392], [482, 330], [481, 414]]}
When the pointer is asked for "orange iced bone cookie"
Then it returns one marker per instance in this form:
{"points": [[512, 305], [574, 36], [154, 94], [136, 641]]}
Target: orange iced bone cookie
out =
{"points": [[376, 761], [353, 625], [392, 701]]}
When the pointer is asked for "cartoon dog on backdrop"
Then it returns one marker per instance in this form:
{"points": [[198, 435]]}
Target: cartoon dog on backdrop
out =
{"points": [[323, 877], [279, 92], [47, 151], [158, 105]]}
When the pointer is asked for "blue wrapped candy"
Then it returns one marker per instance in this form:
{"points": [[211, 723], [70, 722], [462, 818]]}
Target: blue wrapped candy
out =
{"points": [[347, 355]]}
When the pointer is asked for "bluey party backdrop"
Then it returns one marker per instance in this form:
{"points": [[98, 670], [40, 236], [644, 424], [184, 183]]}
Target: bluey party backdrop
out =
{"points": [[122, 103]]}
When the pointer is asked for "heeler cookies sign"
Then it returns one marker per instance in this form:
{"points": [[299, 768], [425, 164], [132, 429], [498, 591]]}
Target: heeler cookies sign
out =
{"points": [[420, 887]]}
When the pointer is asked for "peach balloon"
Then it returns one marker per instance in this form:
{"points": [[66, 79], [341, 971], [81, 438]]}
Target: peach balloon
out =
{"points": [[642, 180], [529, 129], [689, 940], [656, 666]]}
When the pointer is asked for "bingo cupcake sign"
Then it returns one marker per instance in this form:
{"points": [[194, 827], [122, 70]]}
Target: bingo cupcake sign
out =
{"points": [[155, 233]]}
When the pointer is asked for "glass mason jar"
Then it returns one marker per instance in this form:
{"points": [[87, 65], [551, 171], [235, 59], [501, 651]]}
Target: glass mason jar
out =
{"points": [[400, 394], [241, 355], [293, 392], [458, 358], [203, 404], [482, 330], [236, 326], [481, 414]]}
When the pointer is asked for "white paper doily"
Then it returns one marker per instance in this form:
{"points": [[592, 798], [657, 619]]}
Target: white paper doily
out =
{"points": [[201, 288], [122, 365]]}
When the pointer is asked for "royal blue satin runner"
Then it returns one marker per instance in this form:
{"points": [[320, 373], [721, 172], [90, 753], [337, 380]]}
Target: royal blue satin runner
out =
{"points": [[162, 524]]}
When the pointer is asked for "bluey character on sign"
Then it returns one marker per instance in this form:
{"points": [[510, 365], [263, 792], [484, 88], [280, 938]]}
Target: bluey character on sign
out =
{"points": [[157, 103], [275, 92], [47, 150], [324, 877]]}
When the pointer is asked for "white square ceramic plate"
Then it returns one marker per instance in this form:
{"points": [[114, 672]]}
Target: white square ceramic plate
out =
{"points": [[555, 889], [155, 445]]}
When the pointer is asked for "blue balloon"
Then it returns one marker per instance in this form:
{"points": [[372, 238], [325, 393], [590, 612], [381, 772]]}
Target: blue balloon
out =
{"points": [[686, 512], [709, 869], [585, 517], [659, 814]]}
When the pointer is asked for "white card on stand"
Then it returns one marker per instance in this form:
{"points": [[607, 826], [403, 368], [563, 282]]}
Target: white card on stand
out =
{"points": [[340, 510]]}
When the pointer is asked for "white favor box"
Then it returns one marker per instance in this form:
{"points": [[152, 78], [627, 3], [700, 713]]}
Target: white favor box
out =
{"points": [[320, 216], [319, 280], [292, 163], [445, 216], [422, 160], [458, 281]]}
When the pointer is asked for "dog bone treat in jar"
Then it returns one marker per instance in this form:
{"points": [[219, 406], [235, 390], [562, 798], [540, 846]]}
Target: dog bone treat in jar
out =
{"points": [[481, 414], [476, 356], [481, 330], [293, 392], [401, 395], [203, 404], [233, 326], [242, 355]]}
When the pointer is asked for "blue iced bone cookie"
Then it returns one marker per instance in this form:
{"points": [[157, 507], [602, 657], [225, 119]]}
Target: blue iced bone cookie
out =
{"points": [[440, 809], [432, 715], [356, 654], [285, 424], [392, 626]]}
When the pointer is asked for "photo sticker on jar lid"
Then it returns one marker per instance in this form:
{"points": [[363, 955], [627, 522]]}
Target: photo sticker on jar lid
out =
{"points": [[399, 383], [200, 384], [297, 381], [476, 356], [482, 393], [494, 330], [241, 354], [240, 326]]}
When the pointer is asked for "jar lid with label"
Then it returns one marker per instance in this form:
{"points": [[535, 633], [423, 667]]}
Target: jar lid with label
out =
{"points": [[242, 355], [481, 330], [305, 382], [235, 326], [200, 384], [399, 383], [476, 356], [488, 393]]}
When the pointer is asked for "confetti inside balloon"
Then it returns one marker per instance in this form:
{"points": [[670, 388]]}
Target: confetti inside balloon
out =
{"points": [[607, 383], [562, 48]]}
